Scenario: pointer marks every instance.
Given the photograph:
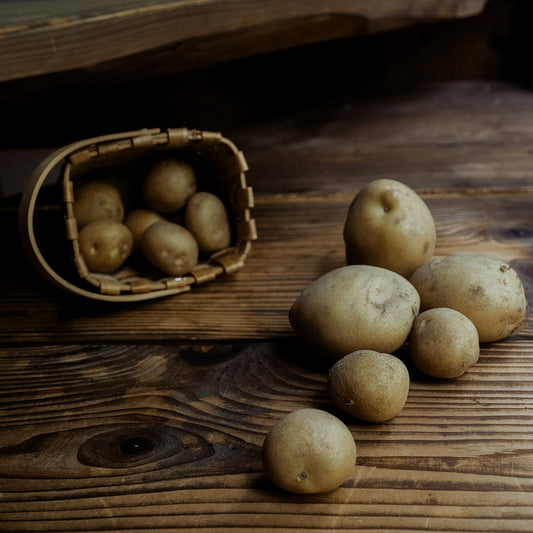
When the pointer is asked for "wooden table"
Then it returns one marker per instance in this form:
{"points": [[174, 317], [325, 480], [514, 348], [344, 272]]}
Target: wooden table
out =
{"points": [[151, 416]]}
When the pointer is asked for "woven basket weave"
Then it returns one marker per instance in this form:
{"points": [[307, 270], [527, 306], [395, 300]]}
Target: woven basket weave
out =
{"points": [[223, 169]]}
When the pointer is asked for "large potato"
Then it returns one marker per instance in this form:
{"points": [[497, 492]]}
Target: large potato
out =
{"points": [[309, 451], [207, 219], [389, 225], [170, 247], [355, 307], [486, 290], [96, 200]]}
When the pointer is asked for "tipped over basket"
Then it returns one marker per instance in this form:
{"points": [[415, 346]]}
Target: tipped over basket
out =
{"points": [[124, 157]]}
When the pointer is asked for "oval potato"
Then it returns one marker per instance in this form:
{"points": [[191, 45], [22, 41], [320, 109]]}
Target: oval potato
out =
{"points": [[207, 219], [168, 185], [105, 245], [369, 385], [389, 225], [309, 451], [95, 200], [486, 290], [170, 247], [138, 221], [353, 308]]}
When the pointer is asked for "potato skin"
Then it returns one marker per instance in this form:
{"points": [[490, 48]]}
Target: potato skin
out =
{"points": [[443, 343], [486, 290], [170, 247], [105, 245], [369, 385], [355, 307], [168, 185], [389, 225], [309, 451], [95, 200], [138, 221], [206, 218]]}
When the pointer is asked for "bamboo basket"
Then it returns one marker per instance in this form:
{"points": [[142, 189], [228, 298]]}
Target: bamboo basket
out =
{"points": [[221, 169]]}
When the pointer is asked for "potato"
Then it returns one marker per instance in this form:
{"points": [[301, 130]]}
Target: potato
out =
{"points": [[138, 221], [206, 218], [168, 185], [95, 200], [369, 385], [389, 225], [486, 290], [443, 343], [309, 451], [353, 308], [170, 247], [105, 245]]}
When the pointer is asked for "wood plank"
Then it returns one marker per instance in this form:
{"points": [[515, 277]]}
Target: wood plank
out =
{"points": [[149, 437], [300, 238], [50, 36]]}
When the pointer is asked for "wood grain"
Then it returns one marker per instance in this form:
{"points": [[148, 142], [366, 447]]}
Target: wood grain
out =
{"points": [[145, 438], [50, 36]]}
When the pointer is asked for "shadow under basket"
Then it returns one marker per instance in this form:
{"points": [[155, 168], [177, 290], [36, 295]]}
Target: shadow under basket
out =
{"points": [[124, 159]]}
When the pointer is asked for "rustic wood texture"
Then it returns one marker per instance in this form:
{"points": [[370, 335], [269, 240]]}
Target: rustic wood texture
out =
{"points": [[151, 416], [50, 36]]}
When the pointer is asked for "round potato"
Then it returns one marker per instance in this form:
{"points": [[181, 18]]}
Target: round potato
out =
{"points": [[105, 245], [207, 219], [389, 225], [443, 343], [138, 221], [486, 290], [96, 200], [170, 247], [168, 185], [355, 307], [369, 385], [309, 451]]}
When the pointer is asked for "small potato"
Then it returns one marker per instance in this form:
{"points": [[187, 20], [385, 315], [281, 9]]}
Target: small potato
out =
{"points": [[95, 200], [206, 218], [486, 290], [138, 221], [389, 225], [369, 385], [353, 308], [443, 343], [309, 451], [168, 185], [105, 245], [170, 247]]}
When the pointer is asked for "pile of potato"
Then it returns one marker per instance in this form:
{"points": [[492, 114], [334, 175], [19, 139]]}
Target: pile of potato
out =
{"points": [[392, 293], [108, 235]]}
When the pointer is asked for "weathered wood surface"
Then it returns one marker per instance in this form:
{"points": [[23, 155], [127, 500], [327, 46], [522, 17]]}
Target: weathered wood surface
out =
{"points": [[50, 36], [153, 438], [150, 417]]}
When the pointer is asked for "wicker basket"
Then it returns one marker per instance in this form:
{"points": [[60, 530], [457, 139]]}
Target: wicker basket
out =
{"points": [[221, 169]]}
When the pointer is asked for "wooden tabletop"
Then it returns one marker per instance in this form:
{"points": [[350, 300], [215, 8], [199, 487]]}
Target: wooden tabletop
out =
{"points": [[151, 416]]}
